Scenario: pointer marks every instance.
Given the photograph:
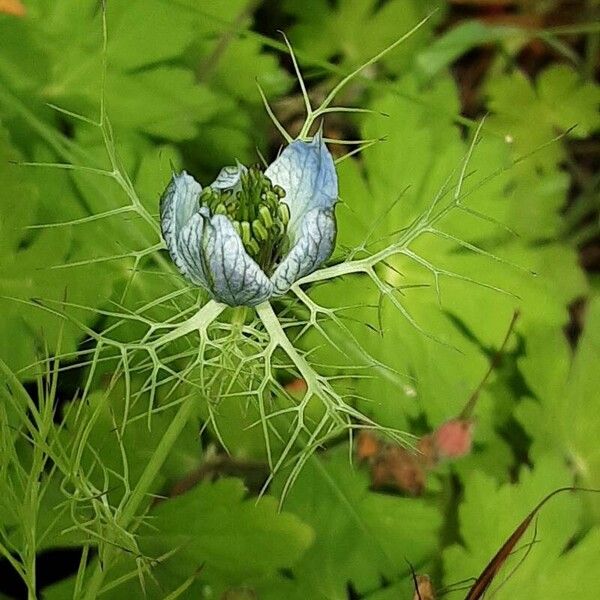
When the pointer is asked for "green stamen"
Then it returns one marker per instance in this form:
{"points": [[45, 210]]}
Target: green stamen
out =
{"points": [[259, 230], [284, 213], [253, 247], [265, 216], [257, 213], [246, 234]]}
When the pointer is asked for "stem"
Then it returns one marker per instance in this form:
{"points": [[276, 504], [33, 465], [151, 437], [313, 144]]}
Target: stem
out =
{"points": [[229, 35], [467, 411], [158, 458], [139, 493], [238, 319], [278, 336], [331, 96], [200, 322]]}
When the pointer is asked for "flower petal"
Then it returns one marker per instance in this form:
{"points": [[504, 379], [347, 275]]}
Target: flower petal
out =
{"points": [[189, 246], [228, 177], [305, 170], [233, 276], [314, 244], [181, 225]]}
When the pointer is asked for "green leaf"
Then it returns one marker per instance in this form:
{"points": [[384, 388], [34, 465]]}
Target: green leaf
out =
{"points": [[569, 100], [235, 68], [130, 47], [215, 538], [359, 29], [563, 418], [545, 569], [148, 86], [556, 102], [361, 536], [236, 538], [401, 177], [27, 258], [454, 43], [178, 104], [107, 441]]}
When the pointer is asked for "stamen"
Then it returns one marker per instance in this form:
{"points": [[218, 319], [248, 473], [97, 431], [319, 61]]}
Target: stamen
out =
{"points": [[257, 213], [284, 213], [253, 247], [259, 231], [246, 236], [265, 216]]}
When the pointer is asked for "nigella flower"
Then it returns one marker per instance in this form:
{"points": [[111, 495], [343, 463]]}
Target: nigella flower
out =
{"points": [[250, 235]]}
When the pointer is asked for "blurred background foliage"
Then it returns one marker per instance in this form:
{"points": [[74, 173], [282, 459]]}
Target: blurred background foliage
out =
{"points": [[181, 91]]}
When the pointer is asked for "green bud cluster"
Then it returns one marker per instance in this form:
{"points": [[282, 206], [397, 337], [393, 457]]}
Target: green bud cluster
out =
{"points": [[257, 213]]}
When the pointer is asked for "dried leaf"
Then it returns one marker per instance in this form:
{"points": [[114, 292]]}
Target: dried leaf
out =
{"points": [[12, 7]]}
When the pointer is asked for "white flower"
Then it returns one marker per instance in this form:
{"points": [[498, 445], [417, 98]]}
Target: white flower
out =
{"points": [[250, 235]]}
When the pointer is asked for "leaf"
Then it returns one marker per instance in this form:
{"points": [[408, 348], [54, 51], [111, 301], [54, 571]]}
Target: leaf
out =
{"points": [[130, 47], [108, 440], [235, 69], [401, 177], [556, 102], [428, 380], [490, 514], [563, 417], [178, 104], [234, 537], [26, 273], [361, 536], [454, 43], [213, 537], [359, 29], [149, 85]]}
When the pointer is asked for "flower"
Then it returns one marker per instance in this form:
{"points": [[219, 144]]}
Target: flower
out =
{"points": [[250, 235]]}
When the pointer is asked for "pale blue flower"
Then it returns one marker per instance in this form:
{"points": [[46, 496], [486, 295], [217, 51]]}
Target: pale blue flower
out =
{"points": [[226, 240]]}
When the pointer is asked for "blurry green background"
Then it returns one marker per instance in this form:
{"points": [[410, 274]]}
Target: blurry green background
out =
{"points": [[181, 92]]}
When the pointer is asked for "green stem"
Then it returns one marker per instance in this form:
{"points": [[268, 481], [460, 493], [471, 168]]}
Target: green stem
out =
{"points": [[140, 492], [238, 319], [200, 322], [278, 336], [312, 116]]}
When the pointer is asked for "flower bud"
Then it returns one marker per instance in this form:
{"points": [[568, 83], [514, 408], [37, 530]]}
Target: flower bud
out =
{"points": [[258, 251]]}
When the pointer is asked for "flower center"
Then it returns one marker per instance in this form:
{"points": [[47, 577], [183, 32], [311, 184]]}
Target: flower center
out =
{"points": [[255, 209]]}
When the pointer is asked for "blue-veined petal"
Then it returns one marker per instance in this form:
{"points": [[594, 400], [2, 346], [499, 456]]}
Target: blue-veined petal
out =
{"points": [[181, 225], [189, 246], [314, 244], [234, 277], [228, 177], [305, 170]]}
